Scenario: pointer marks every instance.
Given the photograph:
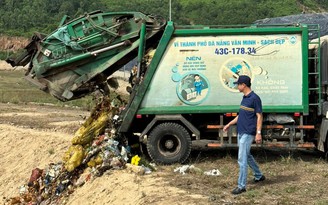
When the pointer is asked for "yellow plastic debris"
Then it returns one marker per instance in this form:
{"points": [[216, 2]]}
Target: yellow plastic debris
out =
{"points": [[95, 161], [92, 163], [135, 160], [90, 129], [73, 157]]}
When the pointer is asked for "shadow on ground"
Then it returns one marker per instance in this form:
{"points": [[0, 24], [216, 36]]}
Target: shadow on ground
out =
{"points": [[262, 155]]}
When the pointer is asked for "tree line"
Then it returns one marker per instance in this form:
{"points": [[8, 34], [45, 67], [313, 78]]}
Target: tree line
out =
{"points": [[23, 17]]}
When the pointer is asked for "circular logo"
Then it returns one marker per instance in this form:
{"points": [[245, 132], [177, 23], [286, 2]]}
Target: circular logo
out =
{"points": [[293, 40], [193, 88], [231, 70]]}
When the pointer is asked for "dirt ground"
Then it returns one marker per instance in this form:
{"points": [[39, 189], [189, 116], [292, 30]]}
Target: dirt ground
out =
{"points": [[34, 136], [5, 66]]}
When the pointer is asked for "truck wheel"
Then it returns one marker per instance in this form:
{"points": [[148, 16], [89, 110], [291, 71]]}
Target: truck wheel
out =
{"points": [[169, 143]]}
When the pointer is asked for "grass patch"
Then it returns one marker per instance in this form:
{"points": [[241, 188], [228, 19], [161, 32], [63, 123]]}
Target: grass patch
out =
{"points": [[252, 194], [14, 89], [292, 178], [5, 54], [291, 189], [321, 202], [51, 151]]}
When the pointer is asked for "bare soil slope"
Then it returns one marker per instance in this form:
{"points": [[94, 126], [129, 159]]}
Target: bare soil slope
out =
{"points": [[12, 43]]}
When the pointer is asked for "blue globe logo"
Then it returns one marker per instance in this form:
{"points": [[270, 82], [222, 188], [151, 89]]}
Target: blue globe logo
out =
{"points": [[292, 40]]}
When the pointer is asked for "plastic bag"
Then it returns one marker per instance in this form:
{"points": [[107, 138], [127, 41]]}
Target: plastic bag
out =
{"points": [[73, 157], [90, 129]]}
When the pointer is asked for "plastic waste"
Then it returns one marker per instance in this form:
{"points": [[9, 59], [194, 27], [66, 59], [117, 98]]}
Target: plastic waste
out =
{"points": [[91, 128], [98, 141], [135, 160], [59, 179], [97, 160], [124, 153], [147, 169], [187, 169], [116, 163], [136, 169], [23, 189], [183, 169], [59, 189], [213, 172], [90, 154], [153, 166], [73, 157], [36, 173]]}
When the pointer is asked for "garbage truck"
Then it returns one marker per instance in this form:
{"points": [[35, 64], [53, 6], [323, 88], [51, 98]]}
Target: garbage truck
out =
{"points": [[183, 92]]}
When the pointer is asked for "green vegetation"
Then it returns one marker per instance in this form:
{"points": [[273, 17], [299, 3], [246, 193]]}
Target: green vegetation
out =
{"points": [[14, 89], [293, 177], [5, 54], [23, 17]]}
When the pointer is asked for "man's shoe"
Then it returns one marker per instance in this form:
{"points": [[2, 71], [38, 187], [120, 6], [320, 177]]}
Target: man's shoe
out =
{"points": [[260, 179], [238, 191]]}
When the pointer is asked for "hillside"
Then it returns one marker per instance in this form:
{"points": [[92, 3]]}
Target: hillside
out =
{"points": [[12, 43], [18, 17]]}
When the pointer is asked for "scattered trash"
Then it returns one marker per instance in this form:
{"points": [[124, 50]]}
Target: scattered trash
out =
{"points": [[152, 166], [73, 157], [147, 169], [124, 154], [84, 177], [94, 150], [135, 160], [23, 189], [136, 169], [213, 172], [192, 169], [187, 169], [36, 173], [183, 169]]}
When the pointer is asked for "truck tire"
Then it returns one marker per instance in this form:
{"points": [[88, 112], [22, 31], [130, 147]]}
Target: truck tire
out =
{"points": [[169, 143]]}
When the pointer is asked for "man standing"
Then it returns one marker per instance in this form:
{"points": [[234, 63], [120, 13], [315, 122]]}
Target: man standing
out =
{"points": [[249, 124]]}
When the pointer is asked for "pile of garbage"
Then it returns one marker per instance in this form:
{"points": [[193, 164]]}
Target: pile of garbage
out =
{"points": [[95, 149]]}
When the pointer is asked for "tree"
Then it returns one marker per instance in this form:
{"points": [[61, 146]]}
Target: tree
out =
{"points": [[26, 16]]}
